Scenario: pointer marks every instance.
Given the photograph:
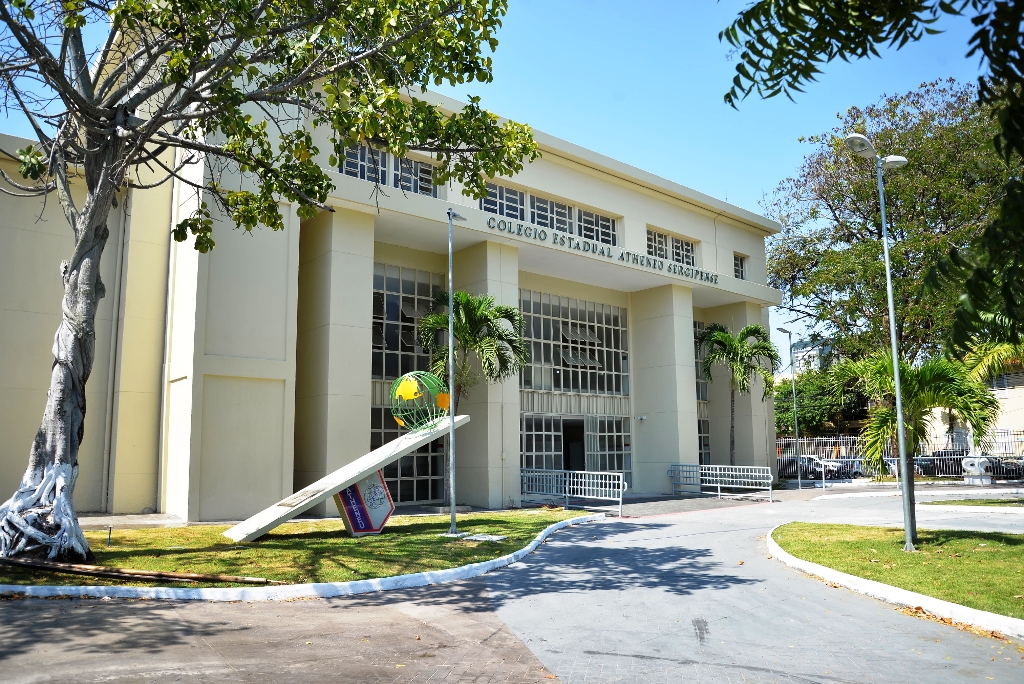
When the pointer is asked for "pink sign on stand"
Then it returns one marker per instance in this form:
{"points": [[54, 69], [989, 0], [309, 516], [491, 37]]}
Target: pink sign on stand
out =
{"points": [[366, 505]]}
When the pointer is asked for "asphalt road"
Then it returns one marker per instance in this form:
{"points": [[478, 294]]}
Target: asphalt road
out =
{"points": [[656, 599]]}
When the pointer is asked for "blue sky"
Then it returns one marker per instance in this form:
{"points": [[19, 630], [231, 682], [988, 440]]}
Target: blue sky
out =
{"points": [[643, 82]]}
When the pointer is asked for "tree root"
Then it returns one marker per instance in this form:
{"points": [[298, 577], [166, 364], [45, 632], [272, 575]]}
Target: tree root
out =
{"points": [[39, 520]]}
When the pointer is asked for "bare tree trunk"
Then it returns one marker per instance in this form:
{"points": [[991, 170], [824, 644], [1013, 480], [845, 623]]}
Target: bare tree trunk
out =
{"points": [[732, 426], [40, 519]]}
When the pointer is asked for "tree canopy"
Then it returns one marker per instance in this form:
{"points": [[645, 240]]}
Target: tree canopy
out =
{"points": [[783, 45], [222, 97], [820, 412], [828, 258]]}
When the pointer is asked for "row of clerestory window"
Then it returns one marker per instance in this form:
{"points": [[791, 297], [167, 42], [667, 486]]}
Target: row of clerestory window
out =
{"points": [[550, 214]]}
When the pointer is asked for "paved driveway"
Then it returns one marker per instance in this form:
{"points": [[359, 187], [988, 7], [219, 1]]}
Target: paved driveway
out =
{"points": [[694, 598], [654, 599]]}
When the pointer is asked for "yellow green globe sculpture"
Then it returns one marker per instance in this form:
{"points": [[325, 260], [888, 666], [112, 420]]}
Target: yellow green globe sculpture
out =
{"points": [[418, 400]]}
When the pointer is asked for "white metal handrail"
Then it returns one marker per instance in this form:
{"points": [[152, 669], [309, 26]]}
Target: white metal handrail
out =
{"points": [[719, 476], [575, 484]]}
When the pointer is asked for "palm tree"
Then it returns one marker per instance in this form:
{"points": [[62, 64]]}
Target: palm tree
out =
{"points": [[935, 383], [744, 359], [491, 335], [994, 351]]}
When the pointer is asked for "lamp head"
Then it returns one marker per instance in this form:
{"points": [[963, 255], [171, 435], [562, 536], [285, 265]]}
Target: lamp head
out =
{"points": [[893, 161], [454, 216], [783, 330], [860, 146]]}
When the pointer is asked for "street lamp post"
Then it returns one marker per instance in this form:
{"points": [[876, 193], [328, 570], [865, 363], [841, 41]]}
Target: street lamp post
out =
{"points": [[862, 147], [452, 216], [796, 430]]}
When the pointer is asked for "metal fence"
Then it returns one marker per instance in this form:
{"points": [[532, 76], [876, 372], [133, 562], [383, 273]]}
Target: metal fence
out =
{"points": [[843, 457], [719, 477], [573, 484]]}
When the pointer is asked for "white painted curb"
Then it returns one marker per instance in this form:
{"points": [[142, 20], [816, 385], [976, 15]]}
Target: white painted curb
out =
{"points": [[901, 597], [292, 591], [918, 493]]}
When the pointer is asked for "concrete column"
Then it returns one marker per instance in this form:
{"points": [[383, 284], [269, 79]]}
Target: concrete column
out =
{"points": [[661, 334], [229, 402], [487, 450], [142, 312], [755, 419], [332, 383]]}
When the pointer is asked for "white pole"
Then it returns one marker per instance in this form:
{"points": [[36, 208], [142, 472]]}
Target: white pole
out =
{"points": [[904, 464], [796, 430], [451, 384]]}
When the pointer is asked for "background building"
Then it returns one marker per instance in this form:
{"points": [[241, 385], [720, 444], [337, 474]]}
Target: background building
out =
{"points": [[225, 381]]}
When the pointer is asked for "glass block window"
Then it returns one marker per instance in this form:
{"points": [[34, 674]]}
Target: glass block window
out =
{"points": [[541, 441], [609, 447], [366, 163], [504, 202], [414, 176], [400, 297], [591, 226], [552, 215], [418, 477], [576, 346], [672, 248], [739, 266]]}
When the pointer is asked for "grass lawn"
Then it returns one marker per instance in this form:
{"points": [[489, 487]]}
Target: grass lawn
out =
{"points": [[306, 551], [978, 502], [983, 570]]}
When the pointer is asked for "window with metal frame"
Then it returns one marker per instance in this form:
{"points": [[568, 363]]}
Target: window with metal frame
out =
{"points": [[657, 244], [683, 252], [365, 163], [414, 176], [593, 226], [576, 346], [609, 446], [739, 266], [400, 297], [504, 202], [540, 441], [551, 214]]}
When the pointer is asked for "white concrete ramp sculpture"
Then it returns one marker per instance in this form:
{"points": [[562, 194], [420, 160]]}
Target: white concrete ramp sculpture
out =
{"points": [[326, 487]]}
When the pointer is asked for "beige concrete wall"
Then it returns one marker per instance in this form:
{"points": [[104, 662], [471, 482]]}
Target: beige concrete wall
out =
{"points": [[663, 377], [34, 238], [755, 422], [332, 383], [487, 450], [230, 399], [133, 469]]}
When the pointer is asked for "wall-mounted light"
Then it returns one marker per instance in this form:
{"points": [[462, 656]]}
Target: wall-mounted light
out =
{"points": [[644, 417]]}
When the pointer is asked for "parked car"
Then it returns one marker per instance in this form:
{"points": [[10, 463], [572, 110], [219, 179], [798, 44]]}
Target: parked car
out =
{"points": [[947, 462]]}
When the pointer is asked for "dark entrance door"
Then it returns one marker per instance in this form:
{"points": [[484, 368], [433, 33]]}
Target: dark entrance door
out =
{"points": [[574, 451]]}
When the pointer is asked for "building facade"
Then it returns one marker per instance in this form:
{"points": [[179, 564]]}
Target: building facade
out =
{"points": [[226, 381]]}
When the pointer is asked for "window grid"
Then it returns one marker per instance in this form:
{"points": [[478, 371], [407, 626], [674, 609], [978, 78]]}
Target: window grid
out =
{"points": [[609, 446], [739, 266], [418, 477], [504, 202], [703, 423], [657, 244], [670, 247], [683, 252], [414, 176], [591, 226], [576, 346], [550, 214], [540, 438], [400, 297], [365, 163]]}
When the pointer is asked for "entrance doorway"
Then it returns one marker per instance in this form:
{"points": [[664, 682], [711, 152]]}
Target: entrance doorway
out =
{"points": [[573, 444]]}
